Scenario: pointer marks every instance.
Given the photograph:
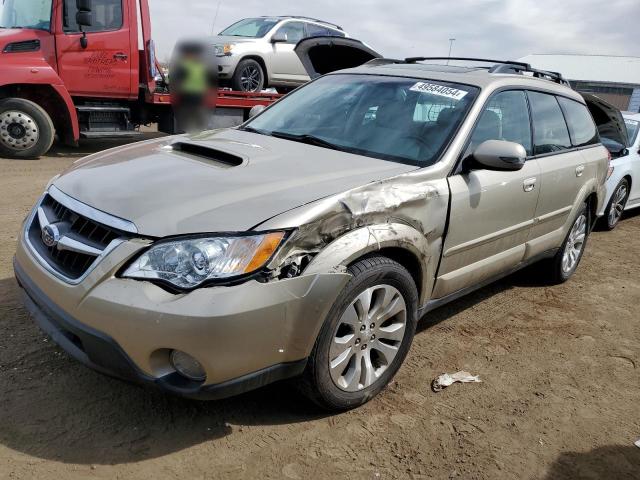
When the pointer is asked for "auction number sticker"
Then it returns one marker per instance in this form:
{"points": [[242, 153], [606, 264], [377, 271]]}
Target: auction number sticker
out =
{"points": [[440, 90]]}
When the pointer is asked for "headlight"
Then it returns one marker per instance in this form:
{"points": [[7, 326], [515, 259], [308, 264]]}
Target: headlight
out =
{"points": [[225, 49], [190, 262]]}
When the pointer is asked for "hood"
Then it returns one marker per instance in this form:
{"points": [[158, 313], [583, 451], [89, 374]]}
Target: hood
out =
{"points": [[609, 120], [220, 181], [21, 39], [321, 55]]}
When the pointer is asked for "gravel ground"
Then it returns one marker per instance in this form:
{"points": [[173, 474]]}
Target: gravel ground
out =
{"points": [[559, 398]]}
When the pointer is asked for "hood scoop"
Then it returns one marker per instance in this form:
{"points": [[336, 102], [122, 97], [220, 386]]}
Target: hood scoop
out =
{"points": [[218, 157], [23, 46]]}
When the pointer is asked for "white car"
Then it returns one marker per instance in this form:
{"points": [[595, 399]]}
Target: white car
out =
{"points": [[623, 184]]}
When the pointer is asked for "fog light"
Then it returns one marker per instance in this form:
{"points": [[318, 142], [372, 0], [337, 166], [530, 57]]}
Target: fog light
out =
{"points": [[187, 366]]}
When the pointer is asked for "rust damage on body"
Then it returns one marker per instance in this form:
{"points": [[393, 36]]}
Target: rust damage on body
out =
{"points": [[401, 213]]}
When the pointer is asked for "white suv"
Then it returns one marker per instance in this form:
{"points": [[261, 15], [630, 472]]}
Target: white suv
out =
{"points": [[256, 53]]}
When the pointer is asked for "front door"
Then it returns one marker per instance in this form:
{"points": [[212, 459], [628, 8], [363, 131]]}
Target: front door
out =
{"points": [[285, 64], [103, 69], [491, 211]]}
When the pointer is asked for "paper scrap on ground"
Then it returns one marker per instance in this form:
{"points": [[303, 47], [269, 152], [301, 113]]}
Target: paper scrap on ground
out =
{"points": [[447, 379], [637, 444]]}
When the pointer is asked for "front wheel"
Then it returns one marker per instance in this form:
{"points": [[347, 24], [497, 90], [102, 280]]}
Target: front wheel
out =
{"points": [[248, 77], [616, 205], [26, 130], [366, 336]]}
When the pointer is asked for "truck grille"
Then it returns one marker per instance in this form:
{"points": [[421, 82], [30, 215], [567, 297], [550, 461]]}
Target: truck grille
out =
{"points": [[68, 242]]}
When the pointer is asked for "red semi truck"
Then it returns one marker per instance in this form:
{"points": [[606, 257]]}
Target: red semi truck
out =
{"points": [[84, 69]]}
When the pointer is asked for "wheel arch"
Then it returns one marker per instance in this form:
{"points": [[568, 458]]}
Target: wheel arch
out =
{"points": [[399, 242], [53, 101], [263, 65]]}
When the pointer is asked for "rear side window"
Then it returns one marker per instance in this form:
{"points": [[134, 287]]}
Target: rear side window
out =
{"points": [[550, 133], [105, 15], [506, 117], [581, 127]]}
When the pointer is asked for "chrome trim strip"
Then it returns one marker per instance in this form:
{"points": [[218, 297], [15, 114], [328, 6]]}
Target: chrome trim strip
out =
{"points": [[66, 243], [90, 212]]}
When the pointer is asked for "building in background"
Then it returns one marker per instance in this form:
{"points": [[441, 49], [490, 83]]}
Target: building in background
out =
{"points": [[614, 79]]}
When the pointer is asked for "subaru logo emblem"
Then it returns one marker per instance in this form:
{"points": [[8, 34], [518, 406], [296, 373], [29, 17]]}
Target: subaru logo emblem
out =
{"points": [[50, 235]]}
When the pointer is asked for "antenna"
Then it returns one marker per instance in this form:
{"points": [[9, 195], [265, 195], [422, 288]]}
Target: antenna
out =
{"points": [[215, 17]]}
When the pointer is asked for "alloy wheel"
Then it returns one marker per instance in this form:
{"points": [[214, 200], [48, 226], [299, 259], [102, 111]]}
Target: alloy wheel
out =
{"points": [[18, 131], [575, 244], [367, 338], [250, 78], [618, 201]]}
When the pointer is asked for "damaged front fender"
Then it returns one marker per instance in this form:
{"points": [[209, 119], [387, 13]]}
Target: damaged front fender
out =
{"points": [[407, 212]]}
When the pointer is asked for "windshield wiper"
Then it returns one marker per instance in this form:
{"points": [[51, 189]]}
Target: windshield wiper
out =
{"points": [[308, 139], [253, 130]]}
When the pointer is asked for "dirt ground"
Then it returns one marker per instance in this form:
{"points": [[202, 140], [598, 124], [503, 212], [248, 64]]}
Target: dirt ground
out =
{"points": [[560, 397]]}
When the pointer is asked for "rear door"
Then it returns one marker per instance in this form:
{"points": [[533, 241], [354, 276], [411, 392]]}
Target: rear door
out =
{"points": [[285, 64], [566, 162], [491, 211], [103, 69]]}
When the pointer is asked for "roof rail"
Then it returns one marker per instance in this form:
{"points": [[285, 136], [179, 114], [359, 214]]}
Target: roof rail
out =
{"points": [[302, 17], [501, 66]]}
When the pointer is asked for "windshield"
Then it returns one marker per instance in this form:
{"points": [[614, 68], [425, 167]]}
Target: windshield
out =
{"points": [[400, 119], [251, 27], [26, 14], [632, 129]]}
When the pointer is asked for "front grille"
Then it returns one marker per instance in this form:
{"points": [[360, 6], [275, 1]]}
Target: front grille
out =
{"points": [[83, 239]]}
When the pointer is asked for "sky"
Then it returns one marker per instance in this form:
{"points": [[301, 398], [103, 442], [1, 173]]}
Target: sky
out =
{"points": [[502, 29]]}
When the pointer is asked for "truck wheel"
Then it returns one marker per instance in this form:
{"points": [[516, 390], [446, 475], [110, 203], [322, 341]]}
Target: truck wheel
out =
{"points": [[26, 130], [365, 337], [248, 77], [616, 205], [565, 262]]}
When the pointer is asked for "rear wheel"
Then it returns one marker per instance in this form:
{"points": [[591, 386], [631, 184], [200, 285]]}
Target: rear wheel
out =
{"points": [[616, 205], [248, 77], [566, 261], [366, 336], [26, 130]]}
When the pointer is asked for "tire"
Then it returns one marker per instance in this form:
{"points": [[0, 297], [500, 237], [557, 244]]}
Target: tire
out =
{"points": [[391, 288], [16, 139], [616, 205], [248, 77], [563, 268]]}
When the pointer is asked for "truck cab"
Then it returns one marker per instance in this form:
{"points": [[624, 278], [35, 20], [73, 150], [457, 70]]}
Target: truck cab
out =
{"points": [[75, 68]]}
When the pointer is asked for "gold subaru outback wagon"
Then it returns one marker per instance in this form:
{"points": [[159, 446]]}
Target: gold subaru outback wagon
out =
{"points": [[309, 241]]}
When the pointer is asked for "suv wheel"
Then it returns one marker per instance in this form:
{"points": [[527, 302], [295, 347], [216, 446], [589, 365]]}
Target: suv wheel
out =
{"points": [[248, 77], [366, 336], [616, 205], [26, 130], [565, 262]]}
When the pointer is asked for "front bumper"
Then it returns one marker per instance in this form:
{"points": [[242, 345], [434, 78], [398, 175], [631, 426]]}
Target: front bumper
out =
{"points": [[245, 336], [227, 66]]}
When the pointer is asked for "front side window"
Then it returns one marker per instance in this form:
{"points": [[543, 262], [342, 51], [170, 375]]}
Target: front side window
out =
{"points": [[251, 27], [391, 118], [105, 15], [550, 133], [581, 127], [34, 14], [293, 30], [506, 117], [314, 30]]}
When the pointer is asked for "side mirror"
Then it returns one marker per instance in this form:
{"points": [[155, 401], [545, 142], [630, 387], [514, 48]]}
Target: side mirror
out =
{"points": [[279, 37], [500, 155], [83, 5], [255, 110], [83, 19]]}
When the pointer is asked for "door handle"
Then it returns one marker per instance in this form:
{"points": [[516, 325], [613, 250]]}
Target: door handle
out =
{"points": [[529, 184], [120, 56], [579, 170]]}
